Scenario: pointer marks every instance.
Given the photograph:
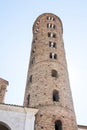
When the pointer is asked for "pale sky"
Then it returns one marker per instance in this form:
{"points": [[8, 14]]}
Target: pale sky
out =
{"points": [[16, 21]]}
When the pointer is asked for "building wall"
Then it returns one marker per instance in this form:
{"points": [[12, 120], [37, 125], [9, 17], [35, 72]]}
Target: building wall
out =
{"points": [[82, 127], [17, 118]]}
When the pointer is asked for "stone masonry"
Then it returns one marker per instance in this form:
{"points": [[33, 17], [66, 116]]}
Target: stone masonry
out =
{"points": [[47, 86], [3, 86]]}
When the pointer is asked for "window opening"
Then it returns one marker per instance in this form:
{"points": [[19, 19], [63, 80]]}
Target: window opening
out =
{"points": [[54, 73], [33, 60], [58, 125], [53, 56], [53, 26], [50, 25], [55, 95], [28, 99], [31, 78], [50, 18], [52, 44], [54, 35], [51, 35]]}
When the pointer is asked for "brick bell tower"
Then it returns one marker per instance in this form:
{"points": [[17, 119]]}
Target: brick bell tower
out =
{"points": [[47, 86]]}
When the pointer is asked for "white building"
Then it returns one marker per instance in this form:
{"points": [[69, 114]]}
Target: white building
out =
{"points": [[16, 117]]}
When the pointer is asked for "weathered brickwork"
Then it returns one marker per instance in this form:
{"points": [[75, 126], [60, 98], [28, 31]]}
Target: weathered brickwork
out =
{"points": [[3, 86], [47, 86]]}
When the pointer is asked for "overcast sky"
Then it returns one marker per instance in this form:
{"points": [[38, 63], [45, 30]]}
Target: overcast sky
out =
{"points": [[16, 21]]}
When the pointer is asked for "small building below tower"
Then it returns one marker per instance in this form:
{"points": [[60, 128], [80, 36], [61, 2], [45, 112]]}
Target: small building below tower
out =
{"points": [[13, 117]]}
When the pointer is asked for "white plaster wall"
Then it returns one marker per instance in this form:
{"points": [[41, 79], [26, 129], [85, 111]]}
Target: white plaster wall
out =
{"points": [[82, 129], [17, 120]]}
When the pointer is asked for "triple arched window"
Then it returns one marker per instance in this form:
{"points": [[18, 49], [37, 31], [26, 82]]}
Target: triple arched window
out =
{"points": [[28, 99], [50, 25]]}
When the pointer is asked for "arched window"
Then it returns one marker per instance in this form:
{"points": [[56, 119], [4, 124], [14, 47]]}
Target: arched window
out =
{"points": [[58, 125], [54, 73], [55, 96], [4, 126]]}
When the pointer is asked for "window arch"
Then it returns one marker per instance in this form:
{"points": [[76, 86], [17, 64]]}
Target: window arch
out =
{"points": [[58, 125], [30, 78], [4, 126], [55, 96]]}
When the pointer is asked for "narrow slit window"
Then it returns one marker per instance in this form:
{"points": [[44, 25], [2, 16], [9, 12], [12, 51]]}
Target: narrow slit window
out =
{"points": [[48, 25], [55, 56], [58, 125], [53, 26], [55, 96], [28, 99], [49, 34], [31, 79]]}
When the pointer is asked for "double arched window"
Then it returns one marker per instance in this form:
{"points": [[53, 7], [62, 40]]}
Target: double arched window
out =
{"points": [[53, 56]]}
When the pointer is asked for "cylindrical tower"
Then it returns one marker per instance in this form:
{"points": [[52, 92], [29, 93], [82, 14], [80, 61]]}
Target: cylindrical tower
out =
{"points": [[48, 87]]}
